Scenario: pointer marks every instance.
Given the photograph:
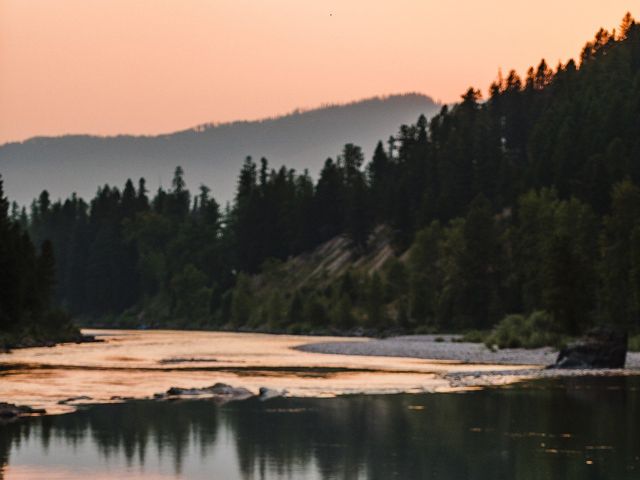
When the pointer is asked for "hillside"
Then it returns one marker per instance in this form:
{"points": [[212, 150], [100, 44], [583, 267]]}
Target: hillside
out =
{"points": [[523, 208], [275, 291], [328, 262], [210, 155]]}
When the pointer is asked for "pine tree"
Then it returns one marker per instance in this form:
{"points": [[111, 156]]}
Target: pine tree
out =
{"points": [[618, 268], [376, 317], [480, 265], [9, 281], [46, 275], [329, 201], [358, 215]]}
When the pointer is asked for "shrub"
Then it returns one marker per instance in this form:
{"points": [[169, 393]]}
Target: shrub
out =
{"points": [[518, 331], [475, 336], [634, 343]]}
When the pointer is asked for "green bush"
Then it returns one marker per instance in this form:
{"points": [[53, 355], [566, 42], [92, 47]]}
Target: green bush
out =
{"points": [[634, 343], [518, 331], [475, 336]]}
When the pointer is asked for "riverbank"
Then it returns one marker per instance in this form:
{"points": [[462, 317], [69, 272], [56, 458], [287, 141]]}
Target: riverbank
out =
{"points": [[132, 364], [9, 342], [446, 348], [135, 364]]}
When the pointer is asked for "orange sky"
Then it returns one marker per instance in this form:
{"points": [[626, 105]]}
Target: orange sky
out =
{"points": [[150, 66]]}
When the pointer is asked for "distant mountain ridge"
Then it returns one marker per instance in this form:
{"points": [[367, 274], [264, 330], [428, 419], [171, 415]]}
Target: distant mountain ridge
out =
{"points": [[210, 154]]}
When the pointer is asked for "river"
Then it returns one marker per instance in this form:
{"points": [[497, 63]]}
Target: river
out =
{"points": [[565, 428], [138, 364]]}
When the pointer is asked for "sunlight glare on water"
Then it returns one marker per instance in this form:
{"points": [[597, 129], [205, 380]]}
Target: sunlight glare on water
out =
{"points": [[138, 364]]}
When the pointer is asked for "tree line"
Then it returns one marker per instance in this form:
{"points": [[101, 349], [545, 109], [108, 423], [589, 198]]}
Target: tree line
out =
{"points": [[522, 202], [27, 278]]}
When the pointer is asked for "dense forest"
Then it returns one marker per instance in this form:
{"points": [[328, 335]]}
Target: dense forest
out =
{"points": [[27, 279], [519, 209]]}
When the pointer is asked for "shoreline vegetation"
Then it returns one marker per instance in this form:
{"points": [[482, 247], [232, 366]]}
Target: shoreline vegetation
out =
{"points": [[517, 215], [37, 339], [504, 335]]}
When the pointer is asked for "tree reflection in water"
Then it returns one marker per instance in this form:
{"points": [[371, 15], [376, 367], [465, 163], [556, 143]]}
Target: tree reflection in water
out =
{"points": [[568, 429]]}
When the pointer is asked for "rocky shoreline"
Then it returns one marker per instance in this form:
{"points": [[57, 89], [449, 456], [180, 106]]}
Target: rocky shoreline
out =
{"points": [[36, 342], [446, 348], [219, 393], [10, 412]]}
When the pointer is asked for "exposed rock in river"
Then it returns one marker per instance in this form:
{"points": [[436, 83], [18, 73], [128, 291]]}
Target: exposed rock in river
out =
{"points": [[81, 398], [173, 360], [10, 412], [268, 393], [602, 347], [220, 392]]}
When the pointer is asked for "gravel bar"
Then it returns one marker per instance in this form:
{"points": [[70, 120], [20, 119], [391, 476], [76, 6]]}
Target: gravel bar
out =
{"points": [[445, 347]]}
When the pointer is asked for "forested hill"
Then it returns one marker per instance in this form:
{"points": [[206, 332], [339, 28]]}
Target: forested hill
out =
{"points": [[521, 208], [210, 154]]}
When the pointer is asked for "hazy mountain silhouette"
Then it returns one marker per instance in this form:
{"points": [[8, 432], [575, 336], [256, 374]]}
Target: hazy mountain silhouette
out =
{"points": [[210, 154]]}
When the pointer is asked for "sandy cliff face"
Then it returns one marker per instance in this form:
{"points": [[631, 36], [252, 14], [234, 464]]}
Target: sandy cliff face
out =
{"points": [[327, 263]]}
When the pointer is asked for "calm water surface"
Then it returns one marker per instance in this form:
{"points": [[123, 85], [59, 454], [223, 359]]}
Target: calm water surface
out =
{"points": [[580, 428]]}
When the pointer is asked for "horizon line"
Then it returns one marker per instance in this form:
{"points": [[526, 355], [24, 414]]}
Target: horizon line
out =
{"points": [[201, 127]]}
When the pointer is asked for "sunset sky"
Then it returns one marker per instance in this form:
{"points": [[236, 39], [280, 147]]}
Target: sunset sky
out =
{"points": [[151, 66]]}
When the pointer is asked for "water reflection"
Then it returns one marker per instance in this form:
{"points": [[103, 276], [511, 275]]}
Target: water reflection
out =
{"points": [[581, 428], [138, 364]]}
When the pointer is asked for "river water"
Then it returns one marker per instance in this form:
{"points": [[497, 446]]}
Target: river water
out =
{"points": [[566, 428], [138, 364]]}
